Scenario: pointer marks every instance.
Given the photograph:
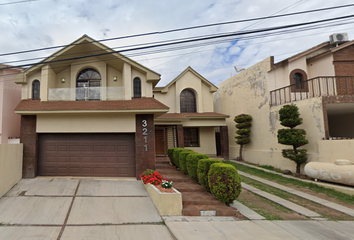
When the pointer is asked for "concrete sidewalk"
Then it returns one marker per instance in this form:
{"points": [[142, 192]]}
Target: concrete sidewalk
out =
{"points": [[217, 228], [64, 208]]}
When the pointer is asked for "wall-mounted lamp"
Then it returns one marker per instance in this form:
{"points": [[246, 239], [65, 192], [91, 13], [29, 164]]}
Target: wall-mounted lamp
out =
{"points": [[63, 80], [115, 78]]}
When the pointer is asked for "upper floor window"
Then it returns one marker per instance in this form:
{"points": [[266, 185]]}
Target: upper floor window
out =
{"points": [[35, 89], [298, 81], [137, 87], [188, 101], [88, 85]]}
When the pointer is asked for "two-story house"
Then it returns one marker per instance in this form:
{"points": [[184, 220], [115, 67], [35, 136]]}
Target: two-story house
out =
{"points": [[191, 120], [320, 81], [88, 110]]}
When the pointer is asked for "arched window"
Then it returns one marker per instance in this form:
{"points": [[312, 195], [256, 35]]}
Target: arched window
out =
{"points": [[298, 81], [188, 101], [35, 90], [137, 87], [88, 85]]}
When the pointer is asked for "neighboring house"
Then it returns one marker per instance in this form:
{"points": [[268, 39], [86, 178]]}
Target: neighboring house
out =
{"points": [[10, 96], [320, 81], [191, 120], [88, 110]]}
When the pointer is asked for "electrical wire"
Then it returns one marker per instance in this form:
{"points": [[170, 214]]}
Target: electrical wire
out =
{"points": [[181, 29]]}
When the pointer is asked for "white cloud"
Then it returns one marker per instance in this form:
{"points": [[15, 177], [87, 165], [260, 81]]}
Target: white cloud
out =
{"points": [[48, 23]]}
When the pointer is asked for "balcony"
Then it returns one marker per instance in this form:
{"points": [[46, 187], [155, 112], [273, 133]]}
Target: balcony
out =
{"points": [[315, 87], [86, 94]]}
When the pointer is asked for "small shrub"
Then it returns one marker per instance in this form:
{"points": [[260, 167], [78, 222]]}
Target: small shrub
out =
{"points": [[183, 160], [170, 153], [192, 164], [176, 153], [224, 182], [203, 170]]}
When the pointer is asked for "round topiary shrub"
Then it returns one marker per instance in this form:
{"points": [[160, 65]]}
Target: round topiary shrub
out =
{"points": [[192, 164], [224, 182], [183, 160], [203, 170]]}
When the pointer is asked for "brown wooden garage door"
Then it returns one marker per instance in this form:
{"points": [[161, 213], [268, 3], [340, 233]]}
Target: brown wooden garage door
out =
{"points": [[86, 154]]}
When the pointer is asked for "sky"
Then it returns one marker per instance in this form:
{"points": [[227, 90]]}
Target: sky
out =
{"points": [[26, 25]]}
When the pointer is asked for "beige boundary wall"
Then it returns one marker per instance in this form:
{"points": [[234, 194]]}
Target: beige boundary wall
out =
{"points": [[10, 166], [330, 150]]}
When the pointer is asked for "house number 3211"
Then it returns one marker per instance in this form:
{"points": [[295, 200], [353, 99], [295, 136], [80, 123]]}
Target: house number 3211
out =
{"points": [[144, 123]]}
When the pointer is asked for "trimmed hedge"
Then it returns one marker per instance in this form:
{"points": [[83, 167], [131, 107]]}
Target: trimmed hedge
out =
{"points": [[192, 164], [170, 153], [176, 153], [224, 182], [183, 160], [203, 170]]}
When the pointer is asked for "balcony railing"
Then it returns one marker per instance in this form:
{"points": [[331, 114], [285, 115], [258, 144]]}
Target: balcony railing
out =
{"points": [[86, 93], [315, 87]]}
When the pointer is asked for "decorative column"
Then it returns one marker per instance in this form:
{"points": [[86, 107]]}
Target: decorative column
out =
{"points": [[224, 140], [144, 143], [28, 137], [180, 136]]}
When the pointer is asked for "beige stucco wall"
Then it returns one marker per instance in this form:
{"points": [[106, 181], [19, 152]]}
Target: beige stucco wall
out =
{"points": [[330, 150], [248, 92], [50, 79], [169, 98], [322, 66], [76, 123], [204, 98], [206, 141], [10, 166]]}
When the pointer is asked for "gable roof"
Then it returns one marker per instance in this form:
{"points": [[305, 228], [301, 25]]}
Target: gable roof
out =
{"points": [[164, 89], [69, 55]]}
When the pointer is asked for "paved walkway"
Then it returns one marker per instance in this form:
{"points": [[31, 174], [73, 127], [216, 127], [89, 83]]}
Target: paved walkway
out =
{"points": [[74, 209], [198, 228]]}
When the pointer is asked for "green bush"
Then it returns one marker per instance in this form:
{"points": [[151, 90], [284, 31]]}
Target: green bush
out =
{"points": [[192, 164], [224, 182], [170, 153], [203, 170], [183, 160], [176, 153]]}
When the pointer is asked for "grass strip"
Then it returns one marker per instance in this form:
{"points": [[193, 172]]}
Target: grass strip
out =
{"points": [[345, 198]]}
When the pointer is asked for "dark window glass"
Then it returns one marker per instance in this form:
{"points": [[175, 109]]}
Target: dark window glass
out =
{"points": [[88, 85], [298, 81], [191, 137], [35, 89], [188, 101], [137, 87]]}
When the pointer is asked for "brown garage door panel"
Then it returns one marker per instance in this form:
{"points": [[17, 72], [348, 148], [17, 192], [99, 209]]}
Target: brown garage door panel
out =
{"points": [[87, 155]]}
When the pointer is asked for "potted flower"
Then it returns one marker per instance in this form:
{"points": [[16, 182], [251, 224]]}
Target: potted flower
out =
{"points": [[167, 199]]}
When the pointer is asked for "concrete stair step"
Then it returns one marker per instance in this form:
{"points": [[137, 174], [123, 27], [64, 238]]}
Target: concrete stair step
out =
{"points": [[193, 210]]}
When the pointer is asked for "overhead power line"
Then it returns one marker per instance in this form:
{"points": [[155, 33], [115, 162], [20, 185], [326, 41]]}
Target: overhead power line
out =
{"points": [[181, 29], [194, 39]]}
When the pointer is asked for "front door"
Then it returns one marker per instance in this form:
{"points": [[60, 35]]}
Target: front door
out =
{"points": [[161, 141]]}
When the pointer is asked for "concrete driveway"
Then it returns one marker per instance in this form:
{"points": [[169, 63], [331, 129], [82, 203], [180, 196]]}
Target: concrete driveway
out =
{"points": [[69, 208]]}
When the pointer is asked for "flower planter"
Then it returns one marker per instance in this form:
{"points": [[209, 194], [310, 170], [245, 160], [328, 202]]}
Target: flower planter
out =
{"points": [[168, 204]]}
